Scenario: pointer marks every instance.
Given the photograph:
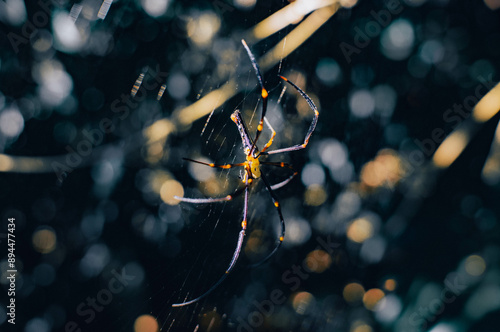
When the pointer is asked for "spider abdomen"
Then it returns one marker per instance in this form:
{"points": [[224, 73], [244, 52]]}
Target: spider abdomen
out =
{"points": [[255, 167]]}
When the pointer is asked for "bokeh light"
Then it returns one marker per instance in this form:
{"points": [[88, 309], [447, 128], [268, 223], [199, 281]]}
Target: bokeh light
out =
{"points": [[372, 298], [303, 302], [155, 8], [390, 285], [475, 265], [329, 71], [360, 230], [169, 189], [11, 122], [202, 27], [362, 103], [353, 292], [146, 323], [397, 40], [44, 240], [318, 261], [315, 195], [245, 4]]}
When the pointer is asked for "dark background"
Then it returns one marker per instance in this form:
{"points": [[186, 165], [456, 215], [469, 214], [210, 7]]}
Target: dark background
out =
{"points": [[107, 216]]}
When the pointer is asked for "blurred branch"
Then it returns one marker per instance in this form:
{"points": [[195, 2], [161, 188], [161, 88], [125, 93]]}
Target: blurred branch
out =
{"points": [[447, 152]]}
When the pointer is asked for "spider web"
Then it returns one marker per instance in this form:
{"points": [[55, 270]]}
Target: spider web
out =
{"points": [[216, 225]]}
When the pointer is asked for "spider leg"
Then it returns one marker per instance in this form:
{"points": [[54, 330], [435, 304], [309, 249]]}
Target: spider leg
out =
{"points": [[273, 134], [242, 129], [278, 164], [282, 220], [224, 166], [236, 253], [217, 199], [263, 93], [211, 199], [245, 137], [284, 182], [283, 165], [311, 127]]}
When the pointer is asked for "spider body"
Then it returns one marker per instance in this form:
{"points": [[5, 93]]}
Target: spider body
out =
{"points": [[252, 166], [252, 163], [252, 170]]}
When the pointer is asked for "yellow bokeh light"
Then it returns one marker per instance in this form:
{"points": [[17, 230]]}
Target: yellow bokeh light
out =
{"points": [[6, 163], [201, 29], [492, 4], [245, 3], [372, 297], [491, 169], [302, 301], [156, 179], [390, 285], [44, 240], [213, 187], [318, 261], [254, 248], [315, 195], [385, 170], [297, 36], [487, 107], [169, 189], [353, 292], [475, 265], [451, 148], [348, 3], [360, 230], [145, 323], [154, 152], [159, 130], [360, 326]]}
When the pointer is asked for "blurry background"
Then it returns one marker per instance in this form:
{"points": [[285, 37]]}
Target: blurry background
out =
{"points": [[100, 101]]}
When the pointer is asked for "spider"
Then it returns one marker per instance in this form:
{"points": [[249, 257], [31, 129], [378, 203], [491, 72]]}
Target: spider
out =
{"points": [[252, 170]]}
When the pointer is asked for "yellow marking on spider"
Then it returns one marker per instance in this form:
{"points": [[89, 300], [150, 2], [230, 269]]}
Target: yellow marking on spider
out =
{"points": [[254, 165], [264, 93], [281, 238], [268, 145], [260, 127], [244, 224], [226, 166], [277, 204], [229, 197]]}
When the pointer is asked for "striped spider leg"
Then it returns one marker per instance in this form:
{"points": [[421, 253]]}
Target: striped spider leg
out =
{"points": [[252, 171]]}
